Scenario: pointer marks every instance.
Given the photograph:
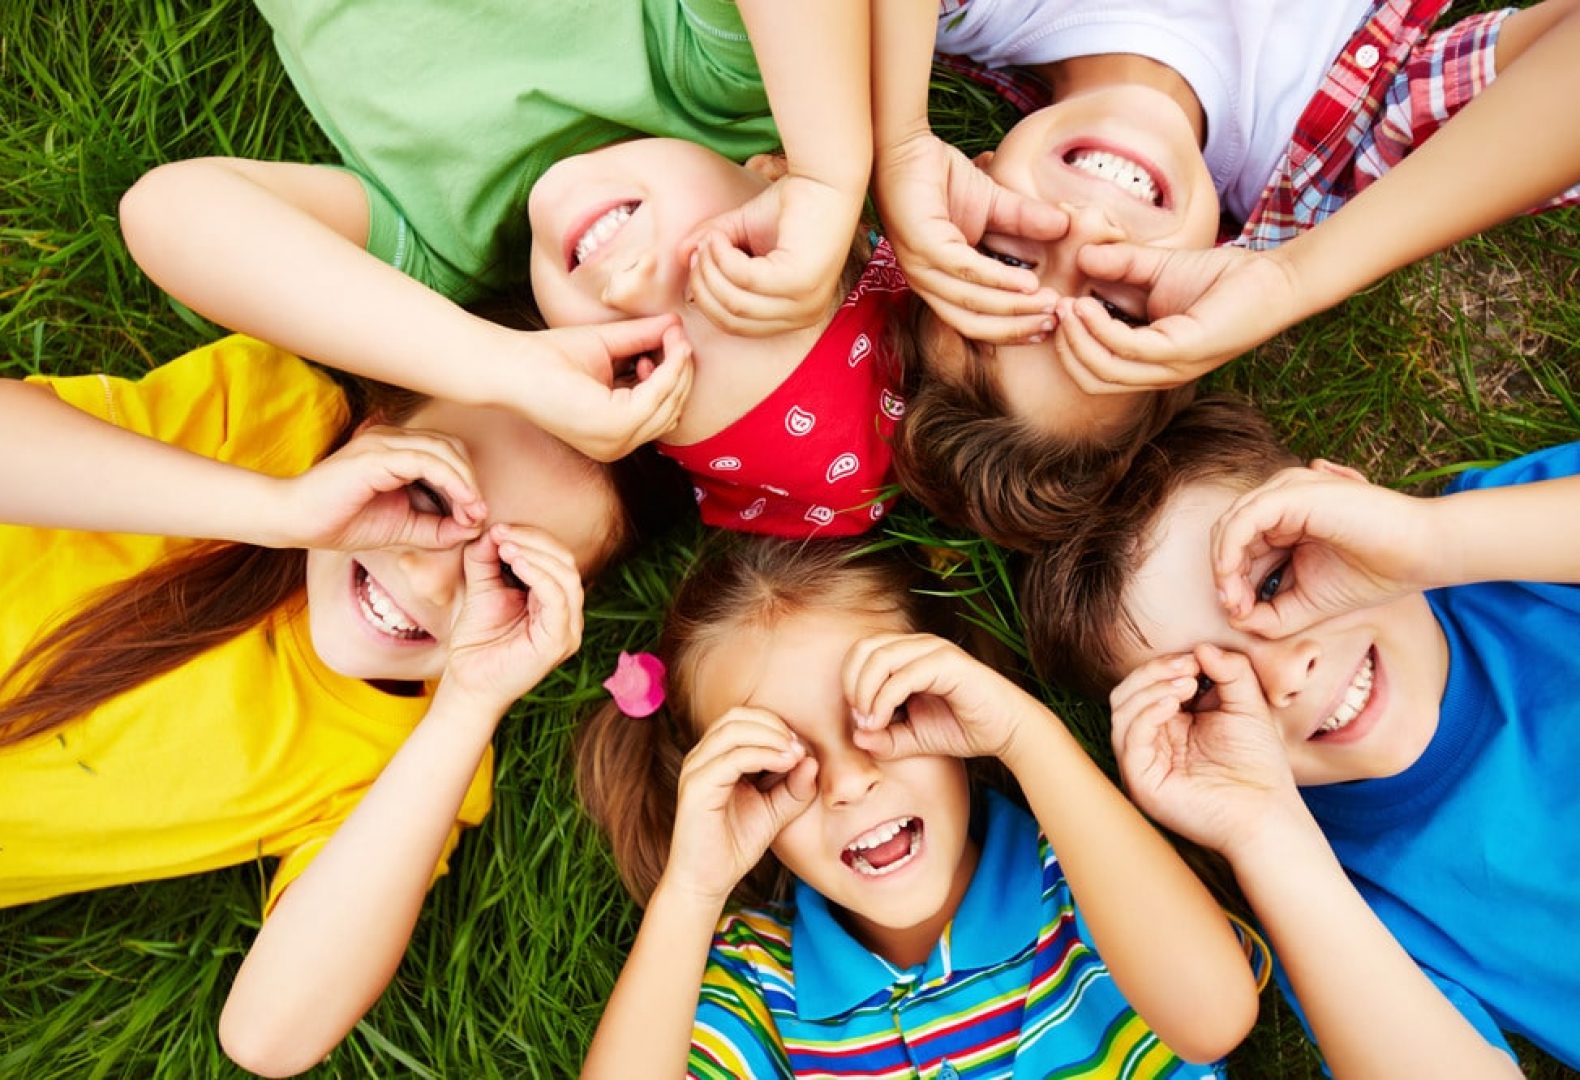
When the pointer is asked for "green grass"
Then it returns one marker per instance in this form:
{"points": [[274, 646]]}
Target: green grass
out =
{"points": [[1468, 357]]}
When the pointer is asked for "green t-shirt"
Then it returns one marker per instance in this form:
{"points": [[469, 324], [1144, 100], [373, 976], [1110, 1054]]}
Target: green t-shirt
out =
{"points": [[449, 112]]}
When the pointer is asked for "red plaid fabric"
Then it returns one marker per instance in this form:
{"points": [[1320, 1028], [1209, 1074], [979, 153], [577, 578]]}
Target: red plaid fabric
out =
{"points": [[1023, 90], [1392, 86]]}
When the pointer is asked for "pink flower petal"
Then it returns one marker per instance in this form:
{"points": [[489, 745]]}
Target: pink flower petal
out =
{"points": [[637, 684]]}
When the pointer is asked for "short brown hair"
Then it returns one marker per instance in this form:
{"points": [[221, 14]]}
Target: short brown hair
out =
{"points": [[628, 771], [1072, 594], [962, 454]]}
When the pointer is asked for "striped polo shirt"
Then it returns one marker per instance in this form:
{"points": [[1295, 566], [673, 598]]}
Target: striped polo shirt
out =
{"points": [[1014, 987]]}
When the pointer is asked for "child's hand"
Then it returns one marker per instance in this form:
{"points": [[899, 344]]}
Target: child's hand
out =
{"points": [[919, 694], [745, 780], [772, 265], [632, 399], [513, 630], [1213, 775], [935, 206], [1316, 542], [1207, 307], [368, 494]]}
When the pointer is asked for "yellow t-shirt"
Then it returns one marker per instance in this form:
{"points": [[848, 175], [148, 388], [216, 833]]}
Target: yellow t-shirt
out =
{"points": [[252, 749]]}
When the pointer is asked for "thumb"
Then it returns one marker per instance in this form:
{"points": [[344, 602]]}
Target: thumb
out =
{"points": [[1123, 263], [480, 562], [633, 335], [432, 532], [1015, 215], [788, 800], [1238, 689]]}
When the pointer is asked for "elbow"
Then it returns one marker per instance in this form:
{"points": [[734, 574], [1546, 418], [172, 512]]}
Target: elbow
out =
{"points": [[1214, 1030], [265, 1046]]}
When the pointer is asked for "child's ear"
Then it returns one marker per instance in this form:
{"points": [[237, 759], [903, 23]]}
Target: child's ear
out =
{"points": [[983, 160], [1323, 465], [769, 167]]}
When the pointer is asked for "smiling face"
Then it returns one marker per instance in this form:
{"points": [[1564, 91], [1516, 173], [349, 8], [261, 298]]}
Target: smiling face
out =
{"points": [[387, 613], [885, 842], [1123, 160], [607, 227], [1354, 697]]}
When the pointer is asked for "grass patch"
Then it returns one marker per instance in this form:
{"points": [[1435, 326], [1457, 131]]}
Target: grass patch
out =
{"points": [[1467, 358]]}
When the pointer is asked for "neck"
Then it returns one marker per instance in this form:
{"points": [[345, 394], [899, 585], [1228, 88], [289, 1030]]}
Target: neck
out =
{"points": [[1082, 73], [734, 374], [906, 947]]}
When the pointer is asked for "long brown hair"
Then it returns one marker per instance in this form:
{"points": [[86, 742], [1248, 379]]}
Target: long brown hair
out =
{"points": [[628, 771]]}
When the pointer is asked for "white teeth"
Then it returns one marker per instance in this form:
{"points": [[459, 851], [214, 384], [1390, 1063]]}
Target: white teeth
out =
{"points": [[875, 837], [1116, 170], [601, 230], [379, 608], [1355, 699], [882, 834]]}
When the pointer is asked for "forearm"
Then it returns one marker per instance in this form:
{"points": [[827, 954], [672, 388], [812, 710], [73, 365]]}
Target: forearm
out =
{"points": [[1515, 145], [1165, 940], [338, 932], [813, 56], [275, 251], [1372, 1010], [646, 1027], [63, 468], [902, 55], [1532, 540]]}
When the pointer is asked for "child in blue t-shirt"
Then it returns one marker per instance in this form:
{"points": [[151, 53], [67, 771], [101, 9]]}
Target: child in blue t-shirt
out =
{"points": [[1324, 673], [810, 751]]}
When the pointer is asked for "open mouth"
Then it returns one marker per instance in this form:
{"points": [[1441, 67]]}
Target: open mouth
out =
{"points": [[1135, 176], [582, 243], [379, 609], [884, 848], [1356, 697]]}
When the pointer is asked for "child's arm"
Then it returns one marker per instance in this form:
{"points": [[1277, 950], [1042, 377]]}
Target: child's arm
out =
{"points": [[1166, 942], [1343, 544], [1221, 779], [936, 204], [62, 468], [275, 250], [339, 931], [723, 826], [772, 265], [1515, 145]]}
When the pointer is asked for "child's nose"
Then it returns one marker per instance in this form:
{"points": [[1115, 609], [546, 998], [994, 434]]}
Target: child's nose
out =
{"points": [[1284, 667], [846, 776], [432, 575], [638, 286]]}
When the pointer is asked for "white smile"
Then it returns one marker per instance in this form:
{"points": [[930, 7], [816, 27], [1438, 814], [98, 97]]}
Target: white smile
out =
{"points": [[1356, 698], [382, 612], [598, 233], [856, 853], [1129, 176]]}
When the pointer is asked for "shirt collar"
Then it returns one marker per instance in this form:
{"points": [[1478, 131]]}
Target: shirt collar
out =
{"points": [[1000, 912]]}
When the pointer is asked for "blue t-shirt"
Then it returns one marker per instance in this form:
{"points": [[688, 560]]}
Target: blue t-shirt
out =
{"points": [[1014, 987], [1471, 856]]}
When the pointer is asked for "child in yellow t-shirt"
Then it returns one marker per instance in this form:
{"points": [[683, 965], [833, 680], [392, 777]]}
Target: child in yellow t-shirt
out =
{"points": [[317, 682]]}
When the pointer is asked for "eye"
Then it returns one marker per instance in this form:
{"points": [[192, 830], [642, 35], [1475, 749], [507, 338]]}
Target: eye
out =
{"points": [[1272, 584], [1118, 313], [1205, 699], [765, 781], [425, 499], [1006, 259], [508, 576]]}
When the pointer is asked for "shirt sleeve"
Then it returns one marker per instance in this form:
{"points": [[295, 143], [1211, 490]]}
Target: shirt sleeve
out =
{"points": [[734, 1035], [1469, 1007], [238, 400], [1552, 463], [392, 239], [474, 807]]}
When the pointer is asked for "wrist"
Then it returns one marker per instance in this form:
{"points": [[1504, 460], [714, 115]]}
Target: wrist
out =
{"points": [[1280, 832], [276, 525], [472, 707], [687, 899]]}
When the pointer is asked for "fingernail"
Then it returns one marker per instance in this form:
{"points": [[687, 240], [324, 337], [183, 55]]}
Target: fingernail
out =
{"points": [[861, 718], [1047, 325], [1223, 598], [1037, 339], [1179, 662], [1184, 682], [693, 259]]}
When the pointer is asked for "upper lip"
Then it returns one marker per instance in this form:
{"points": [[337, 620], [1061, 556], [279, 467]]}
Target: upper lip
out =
{"points": [[581, 224], [1336, 698]]}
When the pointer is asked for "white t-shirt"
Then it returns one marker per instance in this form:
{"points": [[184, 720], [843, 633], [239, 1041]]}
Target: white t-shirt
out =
{"points": [[1253, 64]]}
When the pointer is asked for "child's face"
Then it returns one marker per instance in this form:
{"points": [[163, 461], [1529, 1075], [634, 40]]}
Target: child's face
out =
{"points": [[387, 613], [607, 227], [1312, 678], [885, 842], [1124, 162]]}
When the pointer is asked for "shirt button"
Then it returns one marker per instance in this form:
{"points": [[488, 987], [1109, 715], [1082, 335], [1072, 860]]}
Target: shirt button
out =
{"points": [[947, 1072], [1367, 56]]}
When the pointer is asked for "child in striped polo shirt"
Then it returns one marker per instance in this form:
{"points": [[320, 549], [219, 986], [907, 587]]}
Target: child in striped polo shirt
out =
{"points": [[810, 763]]}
